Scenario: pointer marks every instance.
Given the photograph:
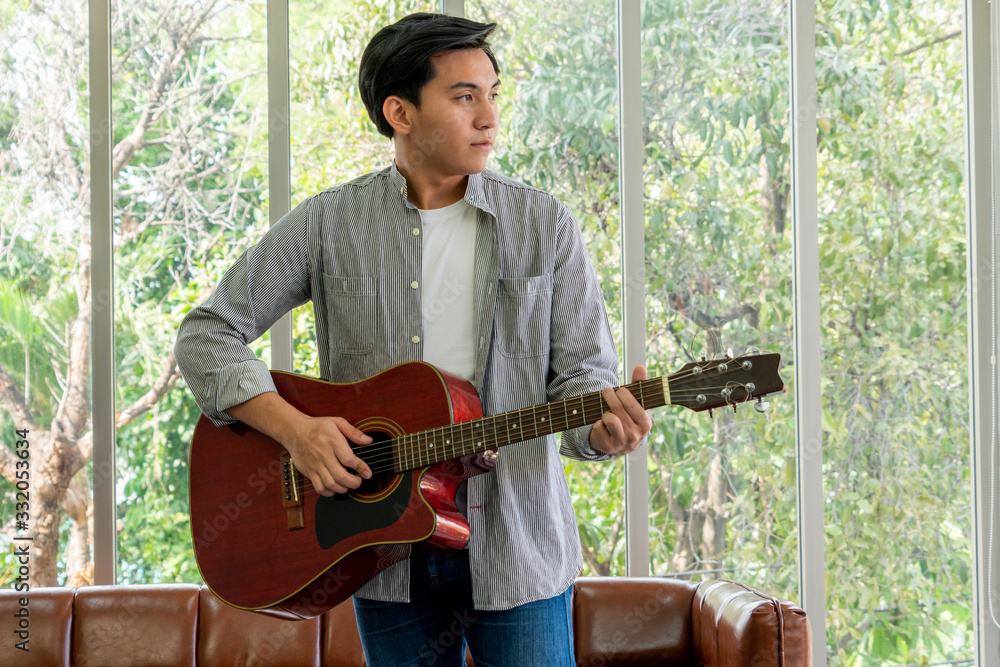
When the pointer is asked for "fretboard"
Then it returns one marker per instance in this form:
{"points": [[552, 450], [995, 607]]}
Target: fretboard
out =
{"points": [[418, 450]]}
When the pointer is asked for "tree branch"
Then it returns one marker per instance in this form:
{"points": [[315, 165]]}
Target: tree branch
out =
{"points": [[126, 148], [929, 43], [13, 402], [168, 376]]}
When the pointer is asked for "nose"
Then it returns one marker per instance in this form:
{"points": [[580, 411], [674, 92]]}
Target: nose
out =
{"points": [[487, 115]]}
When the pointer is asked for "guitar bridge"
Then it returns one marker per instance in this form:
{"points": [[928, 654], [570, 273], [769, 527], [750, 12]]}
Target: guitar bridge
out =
{"points": [[291, 497]]}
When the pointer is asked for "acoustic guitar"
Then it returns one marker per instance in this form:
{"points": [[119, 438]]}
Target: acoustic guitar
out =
{"points": [[264, 540]]}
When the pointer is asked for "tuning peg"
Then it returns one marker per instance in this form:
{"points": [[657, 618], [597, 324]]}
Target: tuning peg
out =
{"points": [[761, 406], [729, 353], [711, 414]]}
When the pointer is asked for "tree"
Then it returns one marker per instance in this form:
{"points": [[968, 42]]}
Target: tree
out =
{"points": [[177, 188]]}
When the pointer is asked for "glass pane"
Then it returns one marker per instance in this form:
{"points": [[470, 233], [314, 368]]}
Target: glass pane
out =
{"points": [[558, 132], [892, 269], [333, 140], [45, 295], [719, 266], [190, 126]]}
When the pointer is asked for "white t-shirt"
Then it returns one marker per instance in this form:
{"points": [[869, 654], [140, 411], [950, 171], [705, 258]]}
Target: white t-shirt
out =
{"points": [[449, 290]]}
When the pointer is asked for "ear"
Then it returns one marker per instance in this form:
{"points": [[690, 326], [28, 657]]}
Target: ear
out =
{"points": [[397, 111]]}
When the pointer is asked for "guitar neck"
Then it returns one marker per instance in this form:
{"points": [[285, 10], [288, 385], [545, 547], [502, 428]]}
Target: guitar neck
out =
{"points": [[418, 450]]}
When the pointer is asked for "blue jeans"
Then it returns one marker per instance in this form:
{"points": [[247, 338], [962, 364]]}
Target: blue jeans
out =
{"points": [[435, 626]]}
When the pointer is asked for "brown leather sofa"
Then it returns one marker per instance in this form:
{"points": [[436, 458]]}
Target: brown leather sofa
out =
{"points": [[618, 621]]}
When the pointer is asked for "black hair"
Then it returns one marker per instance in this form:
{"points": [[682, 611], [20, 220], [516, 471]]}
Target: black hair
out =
{"points": [[397, 60]]}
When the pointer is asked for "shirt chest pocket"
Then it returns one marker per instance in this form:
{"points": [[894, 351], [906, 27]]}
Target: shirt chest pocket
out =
{"points": [[353, 309], [524, 315]]}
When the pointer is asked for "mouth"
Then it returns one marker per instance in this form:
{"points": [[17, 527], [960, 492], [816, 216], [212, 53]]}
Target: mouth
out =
{"points": [[483, 145]]}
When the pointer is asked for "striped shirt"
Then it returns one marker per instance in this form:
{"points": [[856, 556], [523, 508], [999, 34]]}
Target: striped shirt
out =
{"points": [[543, 334]]}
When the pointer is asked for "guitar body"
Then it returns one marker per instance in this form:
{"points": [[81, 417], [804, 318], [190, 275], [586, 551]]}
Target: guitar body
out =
{"points": [[255, 552]]}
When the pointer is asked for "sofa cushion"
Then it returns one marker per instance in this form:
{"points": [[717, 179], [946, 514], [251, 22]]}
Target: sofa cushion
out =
{"points": [[230, 637], [49, 617], [341, 641], [135, 626], [737, 625], [635, 622]]}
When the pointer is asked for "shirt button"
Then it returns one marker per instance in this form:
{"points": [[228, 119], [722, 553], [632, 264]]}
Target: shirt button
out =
{"points": [[402, 191], [416, 339], [414, 284], [416, 232]]}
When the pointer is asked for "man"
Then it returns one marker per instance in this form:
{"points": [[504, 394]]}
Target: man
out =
{"points": [[435, 258]]}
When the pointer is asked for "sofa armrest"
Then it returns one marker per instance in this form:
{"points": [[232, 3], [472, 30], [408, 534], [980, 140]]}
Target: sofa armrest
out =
{"points": [[736, 626]]}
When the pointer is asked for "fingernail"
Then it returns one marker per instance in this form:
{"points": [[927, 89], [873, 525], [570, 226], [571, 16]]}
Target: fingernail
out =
{"points": [[367, 474]]}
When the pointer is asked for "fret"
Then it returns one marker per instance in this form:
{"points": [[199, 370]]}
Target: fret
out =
{"points": [[466, 438], [527, 424], [425, 457], [531, 421], [479, 437], [491, 437], [514, 427], [433, 444]]}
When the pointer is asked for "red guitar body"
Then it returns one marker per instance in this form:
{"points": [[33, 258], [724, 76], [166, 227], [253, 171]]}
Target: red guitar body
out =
{"points": [[304, 560]]}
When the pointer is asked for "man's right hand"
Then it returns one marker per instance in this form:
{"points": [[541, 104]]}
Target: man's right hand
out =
{"points": [[321, 451], [318, 445]]}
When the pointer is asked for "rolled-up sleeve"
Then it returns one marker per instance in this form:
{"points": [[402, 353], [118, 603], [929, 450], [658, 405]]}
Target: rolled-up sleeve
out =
{"points": [[266, 282], [583, 356]]}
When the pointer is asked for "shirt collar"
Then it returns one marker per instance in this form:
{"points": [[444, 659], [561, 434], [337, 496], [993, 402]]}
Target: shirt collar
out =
{"points": [[474, 191]]}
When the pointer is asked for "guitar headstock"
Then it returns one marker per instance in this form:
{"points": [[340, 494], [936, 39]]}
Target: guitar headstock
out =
{"points": [[703, 385]]}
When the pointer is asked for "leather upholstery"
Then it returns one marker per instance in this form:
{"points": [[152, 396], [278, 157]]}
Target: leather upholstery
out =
{"points": [[229, 637], [618, 622], [735, 623], [632, 621], [131, 625], [50, 619]]}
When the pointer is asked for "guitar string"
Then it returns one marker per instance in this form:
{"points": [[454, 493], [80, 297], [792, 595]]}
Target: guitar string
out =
{"points": [[380, 458], [587, 403], [374, 456]]}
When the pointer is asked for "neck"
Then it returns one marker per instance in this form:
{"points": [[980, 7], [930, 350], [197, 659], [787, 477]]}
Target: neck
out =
{"points": [[428, 190]]}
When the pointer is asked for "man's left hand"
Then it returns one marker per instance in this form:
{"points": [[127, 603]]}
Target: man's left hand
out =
{"points": [[622, 428]]}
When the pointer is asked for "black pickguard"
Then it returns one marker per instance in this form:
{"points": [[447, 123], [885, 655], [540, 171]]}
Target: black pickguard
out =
{"points": [[339, 517]]}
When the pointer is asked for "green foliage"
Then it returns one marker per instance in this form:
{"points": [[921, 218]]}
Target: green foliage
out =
{"points": [[718, 257], [718, 271]]}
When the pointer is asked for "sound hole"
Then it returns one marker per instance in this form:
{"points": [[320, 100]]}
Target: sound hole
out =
{"points": [[378, 455]]}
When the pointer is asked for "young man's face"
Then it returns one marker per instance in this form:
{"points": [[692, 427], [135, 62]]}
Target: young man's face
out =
{"points": [[453, 131]]}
